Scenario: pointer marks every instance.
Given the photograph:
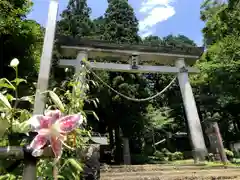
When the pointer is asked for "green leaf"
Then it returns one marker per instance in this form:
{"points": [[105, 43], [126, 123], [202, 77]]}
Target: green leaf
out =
{"points": [[10, 97], [4, 101], [24, 115], [56, 100], [7, 177], [95, 84], [97, 100], [6, 84], [75, 164], [4, 125], [20, 127], [19, 80], [61, 177], [89, 134], [27, 98], [95, 115], [95, 104]]}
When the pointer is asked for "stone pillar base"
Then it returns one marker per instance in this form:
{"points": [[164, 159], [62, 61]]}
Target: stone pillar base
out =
{"points": [[199, 155]]}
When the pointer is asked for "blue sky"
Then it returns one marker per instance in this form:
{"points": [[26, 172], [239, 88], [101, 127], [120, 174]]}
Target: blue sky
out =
{"points": [[156, 17]]}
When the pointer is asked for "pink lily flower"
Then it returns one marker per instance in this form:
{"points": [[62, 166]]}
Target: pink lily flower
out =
{"points": [[52, 127]]}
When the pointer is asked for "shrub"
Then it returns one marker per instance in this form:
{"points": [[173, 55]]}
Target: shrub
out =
{"points": [[166, 152], [236, 154], [229, 154], [160, 155], [175, 156], [210, 157]]}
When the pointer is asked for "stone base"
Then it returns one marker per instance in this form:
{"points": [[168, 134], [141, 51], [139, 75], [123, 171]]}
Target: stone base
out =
{"points": [[91, 169], [199, 155]]}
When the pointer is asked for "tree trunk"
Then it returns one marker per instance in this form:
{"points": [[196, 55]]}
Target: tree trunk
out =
{"points": [[118, 154], [110, 131], [236, 124], [126, 151]]}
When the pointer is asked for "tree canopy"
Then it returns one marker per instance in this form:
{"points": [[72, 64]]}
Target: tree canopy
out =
{"points": [[121, 24], [75, 20], [21, 38], [218, 82]]}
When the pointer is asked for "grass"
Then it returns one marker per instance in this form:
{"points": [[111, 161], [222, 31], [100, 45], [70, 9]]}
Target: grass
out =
{"points": [[205, 163]]}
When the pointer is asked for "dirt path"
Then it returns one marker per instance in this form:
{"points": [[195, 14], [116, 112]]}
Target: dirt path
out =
{"points": [[155, 172]]}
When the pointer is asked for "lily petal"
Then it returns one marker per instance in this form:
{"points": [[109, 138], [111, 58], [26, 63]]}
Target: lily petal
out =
{"points": [[38, 142], [54, 114], [39, 121], [44, 132], [56, 145], [69, 123]]}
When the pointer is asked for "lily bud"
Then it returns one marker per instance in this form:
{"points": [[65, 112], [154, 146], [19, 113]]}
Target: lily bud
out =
{"points": [[14, 63]]}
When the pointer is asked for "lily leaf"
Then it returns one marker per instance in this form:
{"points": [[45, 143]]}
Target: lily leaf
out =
{"points": [[95, 103], [93, 113], [28, 98], [4, 125], [97, 100], [6, 84], [4, 101], [56, 100], [75, 164], [10, 97], [23, 127], [19, 80]]}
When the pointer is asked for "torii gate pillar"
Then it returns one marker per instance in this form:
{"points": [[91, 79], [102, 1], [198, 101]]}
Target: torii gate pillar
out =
{"points": [[82, 55], [196, 133]]}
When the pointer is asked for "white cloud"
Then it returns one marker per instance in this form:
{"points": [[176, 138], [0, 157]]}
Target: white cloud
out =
{"points": [[155, 11]]}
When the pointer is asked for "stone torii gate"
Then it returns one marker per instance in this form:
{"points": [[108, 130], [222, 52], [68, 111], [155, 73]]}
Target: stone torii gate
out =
{"points": [[174, 60]]}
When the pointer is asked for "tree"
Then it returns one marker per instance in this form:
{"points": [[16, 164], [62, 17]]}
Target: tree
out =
{"points": [[172, 97], [179, 40], [121, 24], [99, 25], [152, 40], [221, 20], [21, 38], [218, 82], [156, 119], [75, 20]]}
